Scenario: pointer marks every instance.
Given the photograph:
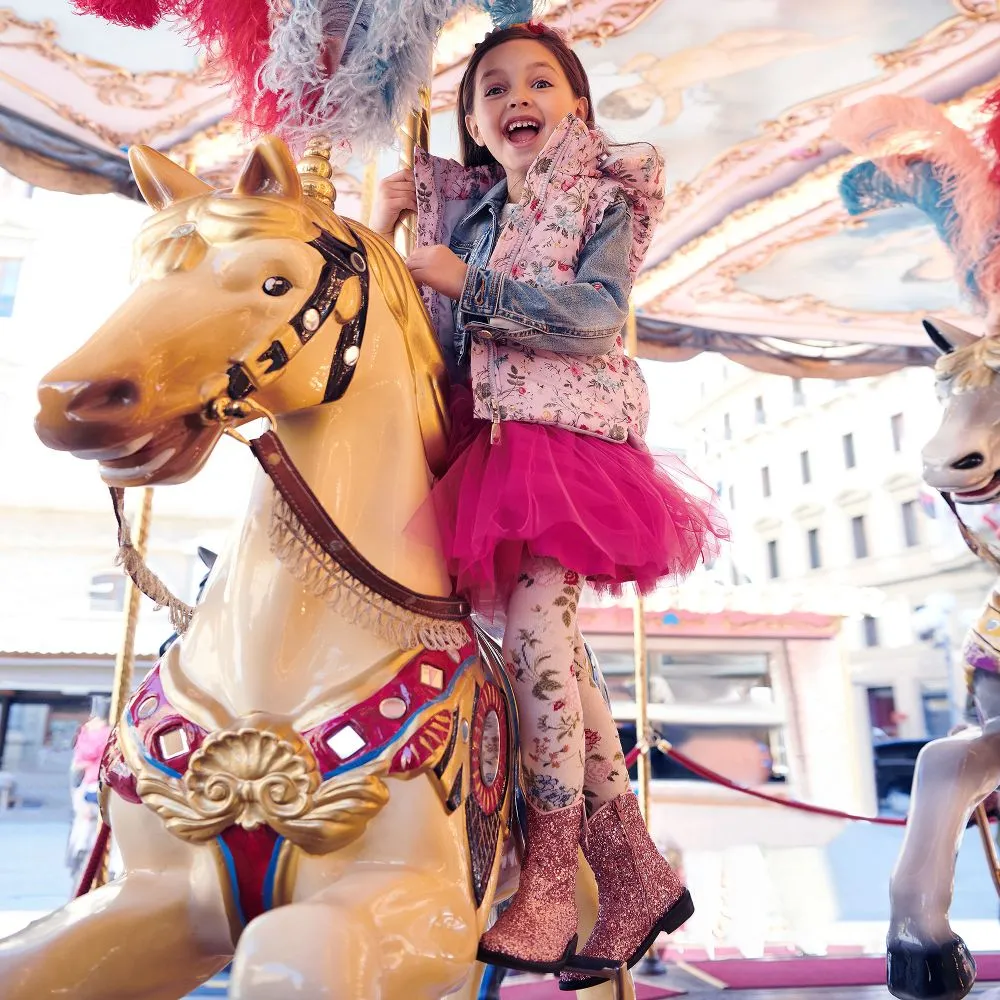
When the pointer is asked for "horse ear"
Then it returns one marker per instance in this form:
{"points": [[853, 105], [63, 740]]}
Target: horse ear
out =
{"points": [[269, 170], [947, 337], [207, 556], [161, 181]]}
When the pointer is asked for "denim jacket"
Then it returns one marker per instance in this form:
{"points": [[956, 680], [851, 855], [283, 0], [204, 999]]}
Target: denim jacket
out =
{"points": [[583, 317], [546, 346]]}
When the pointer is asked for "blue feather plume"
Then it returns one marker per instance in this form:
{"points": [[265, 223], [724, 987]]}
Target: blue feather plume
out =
{"points": [[506, 13], [865, 188]]}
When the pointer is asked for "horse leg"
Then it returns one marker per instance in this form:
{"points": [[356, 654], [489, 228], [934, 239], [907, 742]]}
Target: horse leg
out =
{"points": [[156, 933], [926, 960], [374, 934], [130, 939]]}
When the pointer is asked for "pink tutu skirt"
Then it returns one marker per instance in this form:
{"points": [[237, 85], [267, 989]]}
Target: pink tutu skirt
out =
{"points": [[610, 512]]}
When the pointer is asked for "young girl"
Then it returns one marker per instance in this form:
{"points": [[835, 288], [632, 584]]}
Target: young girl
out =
{"points": [[527, 255]]}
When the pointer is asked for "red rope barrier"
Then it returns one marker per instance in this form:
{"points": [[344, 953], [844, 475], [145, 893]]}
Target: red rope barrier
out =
{"points": [[720, 779], [86, 882]]}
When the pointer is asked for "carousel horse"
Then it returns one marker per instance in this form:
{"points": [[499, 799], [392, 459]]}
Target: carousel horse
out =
{"points": [[314, 783], [927, 960]]}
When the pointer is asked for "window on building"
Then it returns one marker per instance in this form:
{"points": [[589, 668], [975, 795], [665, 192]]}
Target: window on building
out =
{"points": [[107, 591], [773, 567], [850, 459], [869, 629], [732, 498], [804, 463], [896, 422], [765, 481], [860, 536], [911, 536], [10, 271], [882, 711], [798, 396], [937, 711], [758, 410], [727, 427], [812, 536]]}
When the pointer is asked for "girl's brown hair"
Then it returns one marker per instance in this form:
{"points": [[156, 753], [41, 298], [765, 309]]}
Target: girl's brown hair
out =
{"points": [[474, 155]]}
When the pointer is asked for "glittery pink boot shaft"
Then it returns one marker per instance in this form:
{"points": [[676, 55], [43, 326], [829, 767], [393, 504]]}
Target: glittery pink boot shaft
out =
{"points": [[639, 894], [538, 931]]}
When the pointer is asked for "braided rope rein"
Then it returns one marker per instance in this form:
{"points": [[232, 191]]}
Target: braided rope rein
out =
{"points": [[145, 580]]}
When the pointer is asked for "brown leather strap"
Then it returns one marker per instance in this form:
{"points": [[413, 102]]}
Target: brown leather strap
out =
{"points": [[975, 544], [280, 469]]}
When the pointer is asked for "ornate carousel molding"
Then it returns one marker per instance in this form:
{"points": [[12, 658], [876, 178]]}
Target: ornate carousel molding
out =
{"points": [[109, 85], [708, 268], [799, 134]]}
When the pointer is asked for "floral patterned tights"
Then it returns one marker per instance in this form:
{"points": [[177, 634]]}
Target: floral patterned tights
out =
{"points": [[569, 742]]}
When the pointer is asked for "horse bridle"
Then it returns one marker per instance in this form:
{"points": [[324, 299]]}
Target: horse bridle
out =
{"points": [[344, 265]]}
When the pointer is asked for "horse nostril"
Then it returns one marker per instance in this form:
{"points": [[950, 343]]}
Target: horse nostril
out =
{"points": [[971, 461], [103, 398]]}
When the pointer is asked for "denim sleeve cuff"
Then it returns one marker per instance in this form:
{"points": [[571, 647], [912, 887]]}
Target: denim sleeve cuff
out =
{"points": [[481, 292]]}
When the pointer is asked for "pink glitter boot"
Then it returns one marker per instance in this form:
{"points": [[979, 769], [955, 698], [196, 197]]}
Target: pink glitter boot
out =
{"points": [[639, 894], [537, 933]]}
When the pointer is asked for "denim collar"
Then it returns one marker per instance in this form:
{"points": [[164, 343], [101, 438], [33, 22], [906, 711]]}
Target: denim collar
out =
{"points": [[493, 201]]}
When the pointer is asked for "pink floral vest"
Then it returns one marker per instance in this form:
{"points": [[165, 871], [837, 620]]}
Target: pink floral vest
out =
{"points": [[570, 185]]}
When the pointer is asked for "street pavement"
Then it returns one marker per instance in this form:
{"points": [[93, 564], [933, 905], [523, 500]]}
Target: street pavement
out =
{"points": [[34, 879]]}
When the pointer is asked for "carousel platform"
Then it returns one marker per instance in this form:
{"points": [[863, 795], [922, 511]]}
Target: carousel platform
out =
{"points": [[676, 983]]}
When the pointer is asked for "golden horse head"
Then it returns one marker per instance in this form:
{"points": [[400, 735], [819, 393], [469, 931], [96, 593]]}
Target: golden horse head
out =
{"points": [[260, 294]]}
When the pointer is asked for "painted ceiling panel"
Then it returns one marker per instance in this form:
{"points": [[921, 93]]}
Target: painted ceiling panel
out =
{"points": [[738, 94]]}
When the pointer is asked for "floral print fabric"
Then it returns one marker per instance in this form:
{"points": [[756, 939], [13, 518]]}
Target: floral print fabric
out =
{"points": [[569, 742], [568, 188]]}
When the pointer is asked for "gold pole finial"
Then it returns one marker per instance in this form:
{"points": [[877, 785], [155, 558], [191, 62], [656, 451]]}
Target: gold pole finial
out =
{"points": [[316, 170]]}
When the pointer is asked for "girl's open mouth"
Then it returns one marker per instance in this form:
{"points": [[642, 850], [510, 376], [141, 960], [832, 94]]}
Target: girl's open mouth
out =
{"points": [[522, 131]]}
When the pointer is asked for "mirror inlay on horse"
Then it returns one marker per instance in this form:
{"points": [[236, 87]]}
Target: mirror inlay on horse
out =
{"points": [[316, 782]]}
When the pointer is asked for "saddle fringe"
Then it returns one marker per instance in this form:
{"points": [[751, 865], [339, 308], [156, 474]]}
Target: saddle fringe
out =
{"points": [[358, 604]]}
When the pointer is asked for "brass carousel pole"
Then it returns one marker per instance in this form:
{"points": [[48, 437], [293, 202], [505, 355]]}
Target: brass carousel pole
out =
{"points": [[125, 660], [416, 132], [639, 634], [641, 701]]}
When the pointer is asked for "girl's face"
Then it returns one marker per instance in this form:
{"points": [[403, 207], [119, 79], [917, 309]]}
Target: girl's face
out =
{"points": [[520, 95]]}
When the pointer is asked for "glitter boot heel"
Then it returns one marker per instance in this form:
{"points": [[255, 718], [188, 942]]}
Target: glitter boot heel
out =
{"points": [[639, 894], [537, 933]]}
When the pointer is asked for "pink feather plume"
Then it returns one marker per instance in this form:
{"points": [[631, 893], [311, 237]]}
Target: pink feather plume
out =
{"points": [[891, 130], [129, 13]]}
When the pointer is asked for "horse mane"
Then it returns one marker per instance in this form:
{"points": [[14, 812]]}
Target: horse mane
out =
{"points": [[974, 366], [430, 376]]}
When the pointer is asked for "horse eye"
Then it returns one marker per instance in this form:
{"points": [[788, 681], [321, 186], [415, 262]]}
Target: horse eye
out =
{"points": [[276, 286]]}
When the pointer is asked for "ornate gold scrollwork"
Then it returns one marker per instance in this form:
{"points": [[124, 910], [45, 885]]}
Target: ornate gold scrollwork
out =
{"points": [[260, 772], [787, 128]]}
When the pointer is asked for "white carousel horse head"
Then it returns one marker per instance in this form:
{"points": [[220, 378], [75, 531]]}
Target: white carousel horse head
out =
{"points": [[963, 457]]}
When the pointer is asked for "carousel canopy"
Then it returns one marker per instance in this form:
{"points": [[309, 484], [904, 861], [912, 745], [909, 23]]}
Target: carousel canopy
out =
{"points": [[754, 258]]}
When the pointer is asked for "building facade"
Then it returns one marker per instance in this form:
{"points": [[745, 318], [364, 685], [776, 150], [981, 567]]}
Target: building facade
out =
{"points": [[822, 484]]}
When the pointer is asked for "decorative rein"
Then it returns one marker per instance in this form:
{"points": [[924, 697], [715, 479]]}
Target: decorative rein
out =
{"points": [[342, 291]]}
